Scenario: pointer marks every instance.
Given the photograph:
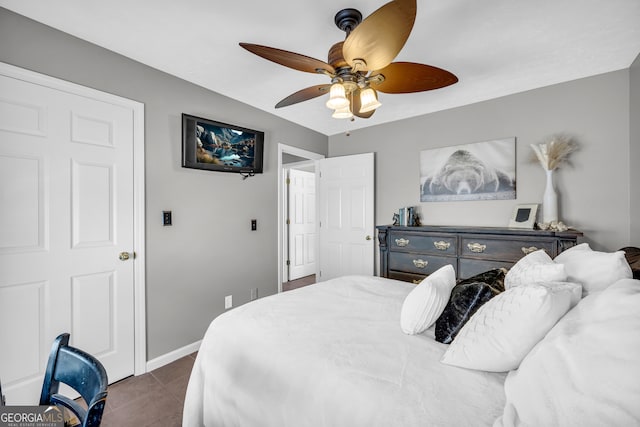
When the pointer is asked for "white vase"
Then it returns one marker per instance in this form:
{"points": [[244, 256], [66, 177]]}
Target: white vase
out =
{"points": [[550, 200]]}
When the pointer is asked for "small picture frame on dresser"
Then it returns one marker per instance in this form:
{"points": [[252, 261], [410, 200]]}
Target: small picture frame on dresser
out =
{"points": [[524, 216]]}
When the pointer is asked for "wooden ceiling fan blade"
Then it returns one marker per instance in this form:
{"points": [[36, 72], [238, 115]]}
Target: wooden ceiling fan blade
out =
{"points": [[354, 105], [408, 77], [379, 38], [289, 59], [304, 95]]}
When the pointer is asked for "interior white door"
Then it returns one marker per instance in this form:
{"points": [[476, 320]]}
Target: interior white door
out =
{"points": [[346, 198], [66, 186], [302, 223]]}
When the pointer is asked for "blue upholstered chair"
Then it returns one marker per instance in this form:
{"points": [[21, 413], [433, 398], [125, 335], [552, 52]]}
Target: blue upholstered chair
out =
{"points": [[80, 371]]}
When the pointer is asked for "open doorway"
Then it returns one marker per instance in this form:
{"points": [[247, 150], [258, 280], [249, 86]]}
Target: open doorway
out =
{"points": [[297, 217], [300, 224]]}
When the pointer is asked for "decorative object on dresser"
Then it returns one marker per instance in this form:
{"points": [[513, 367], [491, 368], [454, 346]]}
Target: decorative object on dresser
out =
{"points": [[412, 253], [478, 171], [553, 226], [524, 216], [406, 216], [551, 155]]}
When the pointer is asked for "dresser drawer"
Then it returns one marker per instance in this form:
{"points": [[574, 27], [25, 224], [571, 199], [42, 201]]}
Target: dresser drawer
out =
{"points": [[406, 277], [418, 263], [470, 267], [502, 249], [410, 277], [440, 244]]}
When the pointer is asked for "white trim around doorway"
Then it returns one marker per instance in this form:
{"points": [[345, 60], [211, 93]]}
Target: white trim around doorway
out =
{"points": [[299, 152]]}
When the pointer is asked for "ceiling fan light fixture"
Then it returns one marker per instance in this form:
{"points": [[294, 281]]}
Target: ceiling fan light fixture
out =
{"points": [[368, 100], [342, 113], [337, 97], [362, 61]]}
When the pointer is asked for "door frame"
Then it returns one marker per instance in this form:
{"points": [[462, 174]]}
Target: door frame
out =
{"points": [[286, 205], [299, 152], [140, 340]]}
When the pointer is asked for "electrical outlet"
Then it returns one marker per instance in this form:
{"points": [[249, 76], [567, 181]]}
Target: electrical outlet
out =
{"points": [[254, 294], [228, 302]]}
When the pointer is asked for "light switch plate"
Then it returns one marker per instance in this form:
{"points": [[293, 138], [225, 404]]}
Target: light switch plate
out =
{"points": [[166, 218]]}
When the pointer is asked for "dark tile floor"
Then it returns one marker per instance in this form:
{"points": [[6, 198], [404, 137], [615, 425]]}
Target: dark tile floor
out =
{"points": [[153, 399]]}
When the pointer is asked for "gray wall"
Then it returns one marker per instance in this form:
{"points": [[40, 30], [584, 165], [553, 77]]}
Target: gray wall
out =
{"points": [[634, 156], [210, 251], [594, 192]]}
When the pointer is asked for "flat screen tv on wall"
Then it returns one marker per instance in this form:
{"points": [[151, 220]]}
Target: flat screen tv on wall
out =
{"points": [[215, 146]]}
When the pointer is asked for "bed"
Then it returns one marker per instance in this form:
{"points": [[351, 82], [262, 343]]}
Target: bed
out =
{"points": [[342, 353]]}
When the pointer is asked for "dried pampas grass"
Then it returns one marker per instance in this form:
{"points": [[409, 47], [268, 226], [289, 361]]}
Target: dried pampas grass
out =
{"points": [[556, 151]]}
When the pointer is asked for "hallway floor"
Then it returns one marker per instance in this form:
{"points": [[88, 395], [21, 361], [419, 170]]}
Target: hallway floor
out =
{"points": [[298, 283]]}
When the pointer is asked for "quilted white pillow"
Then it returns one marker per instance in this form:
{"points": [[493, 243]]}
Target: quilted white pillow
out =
{"points": [[424, 304], [585, 371], [503, 331], [593, 269], [575, 289], [536, 267]]}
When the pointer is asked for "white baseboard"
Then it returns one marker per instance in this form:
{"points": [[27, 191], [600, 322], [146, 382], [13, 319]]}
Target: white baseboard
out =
{"points": [[165, 359]]}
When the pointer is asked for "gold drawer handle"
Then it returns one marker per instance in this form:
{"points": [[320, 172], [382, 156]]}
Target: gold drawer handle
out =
{"points": [[420, 263], [476, 247], [528, 250], [402, 242], [442, 245]]}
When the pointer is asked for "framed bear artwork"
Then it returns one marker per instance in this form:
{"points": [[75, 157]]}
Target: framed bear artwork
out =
{"points": [[478, 171]]}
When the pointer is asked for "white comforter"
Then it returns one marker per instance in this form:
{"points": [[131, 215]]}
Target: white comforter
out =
{"points": [[332, 354]]}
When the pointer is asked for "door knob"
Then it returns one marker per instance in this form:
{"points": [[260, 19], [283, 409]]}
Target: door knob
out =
{"points": [[124, 256], [368, 238]]}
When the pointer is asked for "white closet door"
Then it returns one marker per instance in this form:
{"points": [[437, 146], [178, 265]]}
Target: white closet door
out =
{"points": [[66, 215]]}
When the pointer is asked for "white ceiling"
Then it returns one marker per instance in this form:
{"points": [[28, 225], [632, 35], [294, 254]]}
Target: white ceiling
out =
{"points": [[494, 47]]}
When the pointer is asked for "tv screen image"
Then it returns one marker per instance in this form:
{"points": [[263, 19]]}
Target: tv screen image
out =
{"points": [[211, 145]]}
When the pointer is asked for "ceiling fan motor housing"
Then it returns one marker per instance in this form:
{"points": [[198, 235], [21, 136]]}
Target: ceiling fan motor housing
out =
{"points": [[335, 57], [348, 19]]}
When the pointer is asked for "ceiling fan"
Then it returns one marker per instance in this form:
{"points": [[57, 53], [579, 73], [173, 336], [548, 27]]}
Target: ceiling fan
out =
{"points": [[361, 66]]}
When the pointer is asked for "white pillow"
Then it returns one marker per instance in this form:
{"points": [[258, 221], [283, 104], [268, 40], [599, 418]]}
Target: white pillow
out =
{"points": [[501, 333], [575, 290], [585, 371], [425, 303], [581, 247], [594, 270], [534, 268]]}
